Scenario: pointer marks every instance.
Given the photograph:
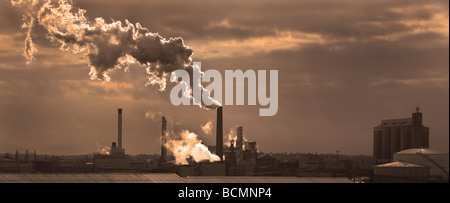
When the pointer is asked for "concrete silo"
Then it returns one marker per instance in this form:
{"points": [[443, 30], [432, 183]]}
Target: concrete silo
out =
{"points": [[377, 143], [394, 135], [386, 143], [405, 137]]}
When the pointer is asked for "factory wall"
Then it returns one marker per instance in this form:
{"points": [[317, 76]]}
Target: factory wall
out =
{"points": [[400, 174]]}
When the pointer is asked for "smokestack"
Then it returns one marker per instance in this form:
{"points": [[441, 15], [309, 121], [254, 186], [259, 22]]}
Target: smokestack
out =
{"points": [[240, 138], [239, 143], [219, 138], [120, 132], [163, 140]]}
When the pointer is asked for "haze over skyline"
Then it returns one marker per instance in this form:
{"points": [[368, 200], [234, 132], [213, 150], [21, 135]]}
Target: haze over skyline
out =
{"points": [[343, 67]]}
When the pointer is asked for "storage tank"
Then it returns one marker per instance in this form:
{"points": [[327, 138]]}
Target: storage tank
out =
{"points": [[400, 172], [438, 162]]}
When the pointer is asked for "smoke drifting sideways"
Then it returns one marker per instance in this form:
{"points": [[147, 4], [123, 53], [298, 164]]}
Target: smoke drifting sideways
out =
{"points": [[189, 147], [108, 46], [184, 146]]}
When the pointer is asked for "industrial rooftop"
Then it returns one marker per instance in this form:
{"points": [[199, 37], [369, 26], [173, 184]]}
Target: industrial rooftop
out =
{"points": [[157, 178]]}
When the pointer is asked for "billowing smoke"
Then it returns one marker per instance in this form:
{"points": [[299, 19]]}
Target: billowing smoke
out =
{"points": [[232, 135], [184, 146], [207, 128], [103, 150], [189, 147], [106, 46]]}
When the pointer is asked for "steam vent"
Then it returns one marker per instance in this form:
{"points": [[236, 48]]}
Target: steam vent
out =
{"points": [[395, 135]]}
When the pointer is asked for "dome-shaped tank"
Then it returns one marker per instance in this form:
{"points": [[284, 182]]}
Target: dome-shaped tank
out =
{"points": [[437, 161]]}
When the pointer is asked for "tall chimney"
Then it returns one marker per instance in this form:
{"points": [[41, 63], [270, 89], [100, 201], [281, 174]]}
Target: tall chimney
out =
{"points": [[163, 140], [219, 138], [120, 132]]}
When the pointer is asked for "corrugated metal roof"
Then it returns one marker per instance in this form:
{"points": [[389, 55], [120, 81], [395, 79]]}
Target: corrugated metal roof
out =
{"points": [[264, 179], [91, 178], [420, 151], [399, 164]]}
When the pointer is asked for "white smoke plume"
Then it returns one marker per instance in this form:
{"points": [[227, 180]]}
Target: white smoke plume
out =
{"points": [[154, 116], [207, 128], [189, 147], [232, 135], [103, 150], [106, 46], [186, 145]]}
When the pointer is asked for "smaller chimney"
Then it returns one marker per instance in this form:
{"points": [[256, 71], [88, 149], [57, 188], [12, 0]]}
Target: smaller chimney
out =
{"points": [[163, 140], [120, 130]]}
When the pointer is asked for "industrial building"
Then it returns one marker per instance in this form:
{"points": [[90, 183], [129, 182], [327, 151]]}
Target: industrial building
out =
{"points": [[241, 158], [400, 172], [414, 165], [240, 162], [395, 135], [437, 162]]}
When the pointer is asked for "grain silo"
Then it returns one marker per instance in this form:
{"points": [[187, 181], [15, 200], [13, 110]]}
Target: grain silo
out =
{"points": [[394, 135]]}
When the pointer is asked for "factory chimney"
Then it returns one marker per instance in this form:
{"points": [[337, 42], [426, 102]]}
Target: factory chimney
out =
{"points": [[219, 134], [163, 140], [239, 145], [120, 132]]}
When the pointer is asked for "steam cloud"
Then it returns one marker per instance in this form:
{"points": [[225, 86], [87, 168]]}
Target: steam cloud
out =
{"points": [[104, 150], [189, 147], [232, 135], [107, 46], [154, 116], [185, 146], [207, 128]]}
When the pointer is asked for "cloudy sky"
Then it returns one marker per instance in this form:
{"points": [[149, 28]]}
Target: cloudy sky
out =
{"points": [[343, 67]]}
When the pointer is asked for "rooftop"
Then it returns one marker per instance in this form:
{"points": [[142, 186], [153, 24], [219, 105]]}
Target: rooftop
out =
{"points": [[264, 179], [420, 151], [399, 164], [396, 122], [156, 178]]}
